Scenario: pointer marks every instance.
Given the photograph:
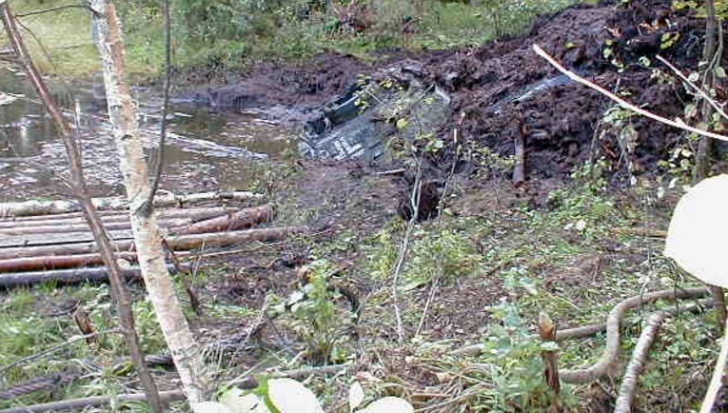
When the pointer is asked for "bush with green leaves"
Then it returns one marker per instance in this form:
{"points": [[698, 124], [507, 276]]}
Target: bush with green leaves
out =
{"points": [[316, 317], [513, 355]]}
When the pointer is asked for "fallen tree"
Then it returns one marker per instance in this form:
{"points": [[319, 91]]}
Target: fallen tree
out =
{"points": [[601, 367], [195, 214], [16, 209], [96, 401], [182, 242], [84, 228], [72, 276], [114, 217], [245, 218], [59, 261]]}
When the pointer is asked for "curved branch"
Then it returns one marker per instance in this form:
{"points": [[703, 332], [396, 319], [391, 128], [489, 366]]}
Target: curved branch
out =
{"points": [[602, 366], [589, 330]]}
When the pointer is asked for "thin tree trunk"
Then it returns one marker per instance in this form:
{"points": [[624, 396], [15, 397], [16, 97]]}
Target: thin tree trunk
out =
{"points": [[705, 147], [187, 355], [118, 287]]}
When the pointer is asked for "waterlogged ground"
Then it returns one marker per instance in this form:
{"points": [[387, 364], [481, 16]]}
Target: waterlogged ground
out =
{"points": [[205, 150]]}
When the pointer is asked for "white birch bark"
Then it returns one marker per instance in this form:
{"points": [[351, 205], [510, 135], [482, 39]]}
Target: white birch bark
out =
{"points": [[187, 356]]}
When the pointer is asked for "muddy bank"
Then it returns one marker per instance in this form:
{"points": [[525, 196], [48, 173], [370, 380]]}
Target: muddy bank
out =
{"points": [[502, 91], [303, 86]]}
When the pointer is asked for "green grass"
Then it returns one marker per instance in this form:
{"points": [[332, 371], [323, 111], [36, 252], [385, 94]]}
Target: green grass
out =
{"points": [[61, 41], [276, 35]]}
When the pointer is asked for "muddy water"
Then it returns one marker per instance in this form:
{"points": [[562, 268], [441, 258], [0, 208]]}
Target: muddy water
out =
{"points": [[205, 150]]}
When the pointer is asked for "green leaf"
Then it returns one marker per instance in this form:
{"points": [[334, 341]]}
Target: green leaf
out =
{"points": [[402, 123], [719, 72]]}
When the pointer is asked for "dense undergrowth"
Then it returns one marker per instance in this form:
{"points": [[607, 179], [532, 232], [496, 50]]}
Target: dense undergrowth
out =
{"points": [[480, 274], [569, 259]]}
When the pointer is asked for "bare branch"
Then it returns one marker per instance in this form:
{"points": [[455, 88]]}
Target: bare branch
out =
{"points": [[165, 106], [692, 85], [53, 9], [573, 76]]}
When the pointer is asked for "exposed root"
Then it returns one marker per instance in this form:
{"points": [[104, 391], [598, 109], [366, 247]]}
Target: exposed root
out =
{"points": [[601, 367], [612, 326]]}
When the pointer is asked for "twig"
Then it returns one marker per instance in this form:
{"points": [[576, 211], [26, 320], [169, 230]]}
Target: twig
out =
{"points": [[700, 91], [415, 203], [53, 9], [717, 381], [623, 102], [165, 105], [53, 349], [399, 171], [96, 401]]}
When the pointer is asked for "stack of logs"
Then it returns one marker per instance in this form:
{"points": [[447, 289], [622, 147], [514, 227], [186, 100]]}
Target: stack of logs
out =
{"points": [[50, 240]]}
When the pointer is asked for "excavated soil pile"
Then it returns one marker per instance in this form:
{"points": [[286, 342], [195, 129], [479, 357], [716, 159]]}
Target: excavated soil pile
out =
{"points": [[559, 123], [503, 90]]}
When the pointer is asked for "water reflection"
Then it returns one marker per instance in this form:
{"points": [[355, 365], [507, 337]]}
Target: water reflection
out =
{"points": [[206, 150]]}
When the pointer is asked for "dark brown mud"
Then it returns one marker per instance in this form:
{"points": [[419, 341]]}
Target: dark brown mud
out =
{"points": [[503, 91]]}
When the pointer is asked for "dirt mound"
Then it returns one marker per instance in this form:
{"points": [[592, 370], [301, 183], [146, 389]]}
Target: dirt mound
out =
{"points": [[304, 85], [503, 87], [503, 91]]}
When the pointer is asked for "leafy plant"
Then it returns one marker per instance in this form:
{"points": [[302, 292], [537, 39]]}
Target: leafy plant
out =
{"points": [[517, 368], [317, 319]]}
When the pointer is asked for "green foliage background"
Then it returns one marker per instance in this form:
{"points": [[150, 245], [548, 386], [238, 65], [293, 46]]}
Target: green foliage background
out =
{"points": [[229, 34]]}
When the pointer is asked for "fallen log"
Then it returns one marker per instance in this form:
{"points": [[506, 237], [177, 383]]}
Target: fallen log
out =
{"points": [[628, 388], [37, 240], [59, 261], [193, 214], [242, 219], [73, 276], [84, 228], [182, 242], [15, 209], [473, 350]]}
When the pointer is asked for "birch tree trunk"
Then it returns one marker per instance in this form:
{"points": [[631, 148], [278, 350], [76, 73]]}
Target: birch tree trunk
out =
{"points": [[186, 354], [78, 187]]}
